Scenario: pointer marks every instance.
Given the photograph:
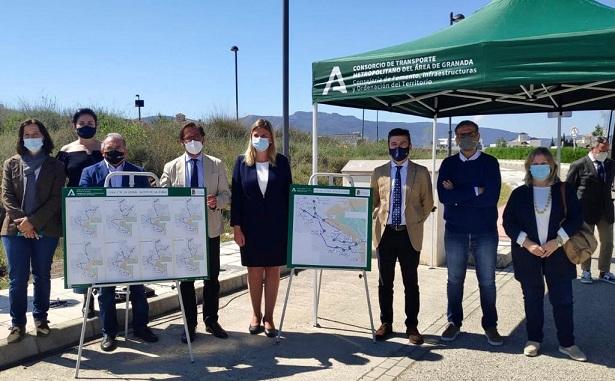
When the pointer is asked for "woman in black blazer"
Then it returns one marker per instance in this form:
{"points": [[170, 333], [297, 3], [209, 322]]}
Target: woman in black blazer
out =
{"points": [[259, 216], [533, 221]]}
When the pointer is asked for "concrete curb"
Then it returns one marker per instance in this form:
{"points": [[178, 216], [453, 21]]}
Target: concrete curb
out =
{"points": [[67, 333]]}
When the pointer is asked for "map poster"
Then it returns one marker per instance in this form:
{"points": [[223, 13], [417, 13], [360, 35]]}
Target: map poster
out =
{"points": [[330, 227], [133, 235]]}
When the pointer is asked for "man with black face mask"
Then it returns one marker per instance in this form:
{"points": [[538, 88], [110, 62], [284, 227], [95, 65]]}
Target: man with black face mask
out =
{"points": [[403, 199], [469, 187], [114, 152]]}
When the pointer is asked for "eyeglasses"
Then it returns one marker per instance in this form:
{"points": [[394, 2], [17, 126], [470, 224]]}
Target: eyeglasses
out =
{"points": [[467, 134]]}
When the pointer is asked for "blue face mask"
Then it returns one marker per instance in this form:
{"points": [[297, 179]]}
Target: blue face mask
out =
{"points": [[260, 144], [33, 144], [540, 171]]}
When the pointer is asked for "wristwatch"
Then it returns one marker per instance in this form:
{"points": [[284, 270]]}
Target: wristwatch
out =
{"points": [[560, 241]]}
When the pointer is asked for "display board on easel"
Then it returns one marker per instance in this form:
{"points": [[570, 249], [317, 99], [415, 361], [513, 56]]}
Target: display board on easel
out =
{"points": [[131, 235], [330, 227]]}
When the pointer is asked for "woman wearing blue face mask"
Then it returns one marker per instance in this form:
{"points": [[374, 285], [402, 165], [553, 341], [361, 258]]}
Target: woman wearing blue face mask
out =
{"points": [[31, 194], [538, 226], [259, 216], [77, 155]]}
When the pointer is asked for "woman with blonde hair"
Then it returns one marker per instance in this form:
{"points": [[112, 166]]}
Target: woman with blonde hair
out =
{"points": [[259, 216], [539, 218]]}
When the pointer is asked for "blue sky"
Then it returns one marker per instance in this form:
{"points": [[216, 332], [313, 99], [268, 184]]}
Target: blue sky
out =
{"points": [[176, 54]]}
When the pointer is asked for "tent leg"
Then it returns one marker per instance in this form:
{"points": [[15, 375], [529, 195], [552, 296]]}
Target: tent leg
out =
{"points": [[315, 138], [434, 241], [559, 142]]}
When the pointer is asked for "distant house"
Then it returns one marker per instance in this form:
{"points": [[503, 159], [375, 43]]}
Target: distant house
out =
{"points": [[584, 140], [524, 140], [443, 144]]}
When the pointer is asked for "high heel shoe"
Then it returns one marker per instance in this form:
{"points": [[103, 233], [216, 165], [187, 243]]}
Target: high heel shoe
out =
{"points": [[255, 329], [270, 332]]}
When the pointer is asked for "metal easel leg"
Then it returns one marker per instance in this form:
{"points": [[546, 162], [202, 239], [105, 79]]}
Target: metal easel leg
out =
{"points": [[181, 305], [126, 313], [83, 325], [315, 307], [369, 307], [290, 282]]}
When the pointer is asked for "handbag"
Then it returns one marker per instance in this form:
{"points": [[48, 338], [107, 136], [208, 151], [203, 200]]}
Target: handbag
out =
{"points": [[581, 245]]}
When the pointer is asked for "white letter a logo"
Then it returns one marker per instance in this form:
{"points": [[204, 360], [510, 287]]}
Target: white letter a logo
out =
{"points": [[335, 76]]}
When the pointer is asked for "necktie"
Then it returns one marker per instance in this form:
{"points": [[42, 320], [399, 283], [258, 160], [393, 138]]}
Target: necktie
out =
{"points": [[397, 197], [194, 176], [601, 172]]}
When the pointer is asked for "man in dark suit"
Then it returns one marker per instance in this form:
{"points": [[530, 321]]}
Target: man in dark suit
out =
{"points": [[114, 152], [592, 176]]}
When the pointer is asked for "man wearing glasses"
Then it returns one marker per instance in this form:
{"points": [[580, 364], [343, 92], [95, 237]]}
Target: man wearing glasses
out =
{"points": [[469, 187]]}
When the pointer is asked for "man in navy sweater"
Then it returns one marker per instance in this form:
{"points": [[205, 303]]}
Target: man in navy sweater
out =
{"points": [[469, 187]]}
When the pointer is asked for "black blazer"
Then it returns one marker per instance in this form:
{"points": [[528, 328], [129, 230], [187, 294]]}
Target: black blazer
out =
{"points": [[594, 194], [263, 220], [519, 216]]}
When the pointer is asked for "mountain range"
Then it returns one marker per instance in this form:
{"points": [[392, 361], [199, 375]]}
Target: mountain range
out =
{"points": [[336, 124]]}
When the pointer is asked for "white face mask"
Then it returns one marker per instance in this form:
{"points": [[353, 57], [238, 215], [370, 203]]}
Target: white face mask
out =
{"points": [[193, 147], [601, 156]]}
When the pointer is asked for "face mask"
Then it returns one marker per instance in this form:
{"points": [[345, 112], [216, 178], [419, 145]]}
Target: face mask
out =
{"points": [[33, 144], [467, 143], [260, 144], [540, 171], [194, 147], [114, 157], [601, 156], [399, 153], [86, 132]]}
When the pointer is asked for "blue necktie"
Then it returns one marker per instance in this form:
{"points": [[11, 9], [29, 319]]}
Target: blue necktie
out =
{"points": [[397, 197], [601, 172], [194, 176]]}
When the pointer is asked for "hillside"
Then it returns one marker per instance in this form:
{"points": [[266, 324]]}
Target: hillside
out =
{"points": [[333, 123]]}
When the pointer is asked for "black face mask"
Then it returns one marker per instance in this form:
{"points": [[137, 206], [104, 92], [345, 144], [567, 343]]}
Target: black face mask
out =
{"points": [[86, 132], [399, 153], [114, 157]]}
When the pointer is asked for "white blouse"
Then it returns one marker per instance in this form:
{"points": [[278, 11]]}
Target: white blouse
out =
{"points": [[262, 174], [542, 203]]}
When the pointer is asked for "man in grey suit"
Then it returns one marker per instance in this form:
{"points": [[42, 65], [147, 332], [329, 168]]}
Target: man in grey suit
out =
{"points": [[592, 176], [195, 169]]}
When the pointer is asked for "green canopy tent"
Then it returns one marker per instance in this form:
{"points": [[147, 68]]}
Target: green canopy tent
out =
{"points": [[511, 56]]}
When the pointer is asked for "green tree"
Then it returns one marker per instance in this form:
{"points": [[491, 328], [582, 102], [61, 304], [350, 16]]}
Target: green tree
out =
{"points": [[501, 142], [598, 131]]}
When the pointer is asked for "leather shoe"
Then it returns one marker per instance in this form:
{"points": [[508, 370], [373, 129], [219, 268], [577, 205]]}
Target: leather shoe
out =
{"points": [[108, 343], [192, 336], [384, 331], [414, 336], [215, 329], [146, 335]]}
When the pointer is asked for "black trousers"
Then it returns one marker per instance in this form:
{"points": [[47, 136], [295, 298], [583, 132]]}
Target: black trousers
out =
{"points": [[395, 246], [210, 291]]}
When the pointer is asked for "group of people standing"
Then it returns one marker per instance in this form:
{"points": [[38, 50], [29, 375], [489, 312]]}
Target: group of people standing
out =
{"points": [[31, 195], [539, 217]]}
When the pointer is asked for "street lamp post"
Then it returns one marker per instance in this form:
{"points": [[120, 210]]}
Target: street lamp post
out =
{"points": [[138, 104], [453, 19], [235, 49]]}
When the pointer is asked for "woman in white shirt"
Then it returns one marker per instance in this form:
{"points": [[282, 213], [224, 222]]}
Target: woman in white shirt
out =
{"points": [[536, 223]]}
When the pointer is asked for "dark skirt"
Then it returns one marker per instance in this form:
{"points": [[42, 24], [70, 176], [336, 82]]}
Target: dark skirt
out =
{"points": [[272, 255]]}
